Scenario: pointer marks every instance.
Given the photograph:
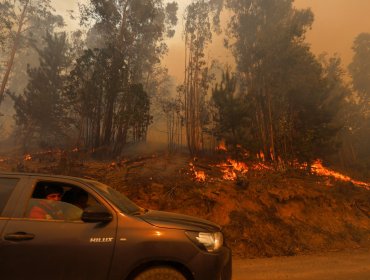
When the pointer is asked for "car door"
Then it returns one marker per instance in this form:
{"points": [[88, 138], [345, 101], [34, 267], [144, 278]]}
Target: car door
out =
{"points": [[57, 249], [8, 199]]}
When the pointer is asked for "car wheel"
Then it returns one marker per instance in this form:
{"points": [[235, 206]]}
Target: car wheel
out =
{"points": [[160, 273]]}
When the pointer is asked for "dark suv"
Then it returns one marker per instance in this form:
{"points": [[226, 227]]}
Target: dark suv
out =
{"points": [[99, 234]]}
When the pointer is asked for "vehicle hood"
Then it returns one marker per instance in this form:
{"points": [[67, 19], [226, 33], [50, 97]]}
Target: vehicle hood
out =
{"points": [[178, 221]]}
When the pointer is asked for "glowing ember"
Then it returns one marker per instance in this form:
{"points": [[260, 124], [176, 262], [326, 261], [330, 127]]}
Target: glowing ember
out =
{"points": [[28, 157], [200, 176], [238, 166], [319, 169], [228, 169], [261, 166], [221, 146], [261, 156], [229, 174]]}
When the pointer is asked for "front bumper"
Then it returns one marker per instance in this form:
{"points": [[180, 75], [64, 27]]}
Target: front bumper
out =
{"points": [[212, 266]]}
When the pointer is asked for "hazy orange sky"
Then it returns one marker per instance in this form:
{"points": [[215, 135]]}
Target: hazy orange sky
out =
{"points": [[337, 23]]}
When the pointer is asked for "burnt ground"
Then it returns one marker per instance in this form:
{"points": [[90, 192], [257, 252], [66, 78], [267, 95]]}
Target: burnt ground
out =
{"points": [[263, 213]]}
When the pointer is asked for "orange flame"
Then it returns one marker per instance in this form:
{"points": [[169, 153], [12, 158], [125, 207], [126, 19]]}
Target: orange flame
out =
{"points": [[228, 169], [229, 174], [28, 157], [238, 165], [221, 146], [261, 156], [319, 169], [200, 176]]}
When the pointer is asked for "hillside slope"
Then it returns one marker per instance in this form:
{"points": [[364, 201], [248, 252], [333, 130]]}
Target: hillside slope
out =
{"points": [[263, 212]]}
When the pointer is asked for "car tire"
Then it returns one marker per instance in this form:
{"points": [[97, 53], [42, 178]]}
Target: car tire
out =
{"points": [[160, 273]]}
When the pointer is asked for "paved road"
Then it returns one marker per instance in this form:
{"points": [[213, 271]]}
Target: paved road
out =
{"points": [[345, 265]]}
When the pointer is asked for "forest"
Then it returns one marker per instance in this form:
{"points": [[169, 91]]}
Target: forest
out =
{"points": [[101, 87]]}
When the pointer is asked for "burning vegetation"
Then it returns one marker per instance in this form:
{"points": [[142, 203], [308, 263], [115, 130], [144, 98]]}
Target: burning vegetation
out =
{"points": [[264, 211], [232, 169], [103, 91]]}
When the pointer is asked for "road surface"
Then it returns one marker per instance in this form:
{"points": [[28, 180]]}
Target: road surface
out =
{"points": [[344, 265]]}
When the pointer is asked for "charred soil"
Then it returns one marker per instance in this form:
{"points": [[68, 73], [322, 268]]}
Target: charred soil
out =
{"points": [[263, 212]]}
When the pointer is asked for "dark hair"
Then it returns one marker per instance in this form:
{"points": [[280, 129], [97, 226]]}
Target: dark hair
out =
{"points": [[76, 196], [53, 189]]}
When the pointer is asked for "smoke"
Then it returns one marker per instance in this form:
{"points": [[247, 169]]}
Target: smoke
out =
{"points": [[337, 23]]}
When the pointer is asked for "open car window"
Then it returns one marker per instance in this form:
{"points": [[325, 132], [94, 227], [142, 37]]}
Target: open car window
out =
{"points": [[58, 201]]}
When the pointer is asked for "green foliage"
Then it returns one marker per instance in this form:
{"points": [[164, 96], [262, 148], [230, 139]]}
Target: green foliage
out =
{"points": [[6, 18], [290, 102], [136, 29], [359, 123], [360, 67], [127, 38], [232, 114], [89, 94], [198, 34], [41, 111], [25, 24]]}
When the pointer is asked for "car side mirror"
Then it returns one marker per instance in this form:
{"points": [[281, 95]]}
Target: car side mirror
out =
{"points": [[96, 214]]}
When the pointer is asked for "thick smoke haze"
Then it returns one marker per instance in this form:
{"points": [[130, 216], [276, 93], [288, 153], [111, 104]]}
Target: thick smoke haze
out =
{"points": [[336, 24]]}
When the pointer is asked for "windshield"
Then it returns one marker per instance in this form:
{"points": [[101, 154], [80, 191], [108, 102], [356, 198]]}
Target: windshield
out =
{"points": [[117, 198]]}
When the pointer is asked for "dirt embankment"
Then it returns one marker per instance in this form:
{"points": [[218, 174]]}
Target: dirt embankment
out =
{"points": [[263, 213]]}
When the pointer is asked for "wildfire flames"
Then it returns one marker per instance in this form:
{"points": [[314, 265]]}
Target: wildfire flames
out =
{"points": [[28, 157], [261, 156], [200, 175], [230, 166], [321, 170], [222, 147]]}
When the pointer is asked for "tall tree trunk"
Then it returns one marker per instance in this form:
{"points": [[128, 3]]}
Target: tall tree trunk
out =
{"points": [[272, 138], [14, 50]]}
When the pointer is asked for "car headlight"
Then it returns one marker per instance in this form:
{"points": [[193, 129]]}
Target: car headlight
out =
{"points": [[209, 241]]}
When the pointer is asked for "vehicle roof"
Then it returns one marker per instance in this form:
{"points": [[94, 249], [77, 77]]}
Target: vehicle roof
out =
{"points": [[24, 174]]}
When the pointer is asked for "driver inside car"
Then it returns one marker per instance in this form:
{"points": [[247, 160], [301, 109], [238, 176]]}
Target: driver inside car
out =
{"points": [[47, 208]]}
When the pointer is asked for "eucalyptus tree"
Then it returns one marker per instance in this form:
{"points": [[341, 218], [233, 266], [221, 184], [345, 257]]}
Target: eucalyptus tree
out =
{"points": [[281, 79], [360, 69], [128, 39], [231, 112], [5, 21], [360, 73], [85, 91], [23, 21], [199, 17]]}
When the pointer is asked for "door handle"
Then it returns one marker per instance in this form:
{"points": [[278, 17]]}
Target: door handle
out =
{"points": [[19, 236]]}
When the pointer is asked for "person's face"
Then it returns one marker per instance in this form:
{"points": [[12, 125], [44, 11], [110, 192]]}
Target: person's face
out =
{"points": [[54, 196]]}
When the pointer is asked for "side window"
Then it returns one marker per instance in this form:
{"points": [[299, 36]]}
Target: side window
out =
{"points": [[58, 201], [7, 185]]}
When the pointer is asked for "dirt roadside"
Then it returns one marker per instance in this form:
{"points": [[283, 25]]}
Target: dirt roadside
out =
{"points": [[343, 265]]}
